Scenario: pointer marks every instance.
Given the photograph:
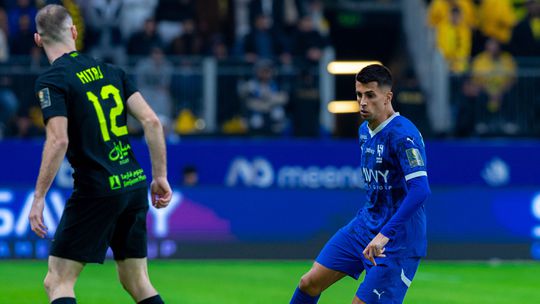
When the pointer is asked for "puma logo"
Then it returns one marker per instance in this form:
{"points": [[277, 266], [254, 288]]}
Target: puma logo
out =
{"points": [[410, 139], [377, 293]]}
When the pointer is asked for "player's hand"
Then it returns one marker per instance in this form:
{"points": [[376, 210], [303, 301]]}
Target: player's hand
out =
{"points": [[375, 248], [161, 192], [36, 217]]}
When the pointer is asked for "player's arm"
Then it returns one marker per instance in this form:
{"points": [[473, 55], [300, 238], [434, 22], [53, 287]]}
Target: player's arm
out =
{"points": [[410, 152], [54, 150], [153, 133], [416, 196]]}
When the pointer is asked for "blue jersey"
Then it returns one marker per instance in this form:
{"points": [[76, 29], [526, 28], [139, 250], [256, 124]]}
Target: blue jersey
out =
{"points": [[392, 154]]}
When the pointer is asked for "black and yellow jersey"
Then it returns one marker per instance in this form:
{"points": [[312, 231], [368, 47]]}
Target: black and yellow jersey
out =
{"points": [[92, 95]]}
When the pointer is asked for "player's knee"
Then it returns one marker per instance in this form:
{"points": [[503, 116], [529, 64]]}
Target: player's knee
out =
{"points": [[309, 286], [132, 283], [48, 283], [54, 282]]}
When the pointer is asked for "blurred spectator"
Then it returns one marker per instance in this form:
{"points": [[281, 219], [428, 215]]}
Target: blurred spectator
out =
{"points": [[23, 42], [264, 43], [454, 42], [494, 72], [30, 124], [241, 20], [316, 12], [190, 176], [308, 42], [283, 15], [496, 19], [526, 35], [134, 14], [465, 109], [142, 42], [174, 10], [153, 79], [104, 30], [214, 18], [4, 45], [187, 43], [4, 21], [21, 8], [218, 49], [305, 105], [264, 102], [440, 12], [169, 16], [8, 104]]}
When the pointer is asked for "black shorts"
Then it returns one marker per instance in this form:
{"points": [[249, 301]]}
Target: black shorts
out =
{"points": [[90, 225]]}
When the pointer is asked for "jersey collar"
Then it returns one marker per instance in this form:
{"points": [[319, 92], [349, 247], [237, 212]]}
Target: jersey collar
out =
{"points": [[382, 125]]}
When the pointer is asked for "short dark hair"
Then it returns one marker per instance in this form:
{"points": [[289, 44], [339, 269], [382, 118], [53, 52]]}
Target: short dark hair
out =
{"points": [[375, 72], [50, 22]]}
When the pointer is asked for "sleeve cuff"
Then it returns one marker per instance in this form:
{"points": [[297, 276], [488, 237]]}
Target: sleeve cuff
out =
{"points": [[415, 174]]}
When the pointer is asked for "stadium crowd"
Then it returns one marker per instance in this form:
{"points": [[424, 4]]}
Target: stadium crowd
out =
{"points": [[269, 51], [485, 44], [154, 39]]}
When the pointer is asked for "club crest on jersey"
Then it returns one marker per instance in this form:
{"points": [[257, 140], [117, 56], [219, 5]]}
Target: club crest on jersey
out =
{"points": [[44, 98], [414, 157], [380, 150]]}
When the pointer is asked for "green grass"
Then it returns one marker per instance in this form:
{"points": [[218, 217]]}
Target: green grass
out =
{"points": [[260, 282]]}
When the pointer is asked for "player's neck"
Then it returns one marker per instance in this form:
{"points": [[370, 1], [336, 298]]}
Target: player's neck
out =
{"points": [[373, 124], [56, 51]]}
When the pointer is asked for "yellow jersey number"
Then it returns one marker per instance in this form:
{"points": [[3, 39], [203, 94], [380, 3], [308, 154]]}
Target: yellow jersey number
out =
{"points": [[106, 92]]}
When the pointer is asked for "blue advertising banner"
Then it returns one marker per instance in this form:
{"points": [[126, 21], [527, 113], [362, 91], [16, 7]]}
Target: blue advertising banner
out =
{"points": [[293, 191], [309, 164]]}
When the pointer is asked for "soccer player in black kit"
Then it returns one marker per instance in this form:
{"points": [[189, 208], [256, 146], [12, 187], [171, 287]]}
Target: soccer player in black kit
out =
{"points": [[85, 103]]}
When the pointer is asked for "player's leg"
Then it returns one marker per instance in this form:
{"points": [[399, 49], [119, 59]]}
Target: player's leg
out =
{"points": [[133, 274], [314, 282], [387, 282], [82, 236], [60, 280], [129, 245], [338, 258]]}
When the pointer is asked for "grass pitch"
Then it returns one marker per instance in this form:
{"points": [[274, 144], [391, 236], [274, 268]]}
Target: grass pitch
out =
{"points": [[271, 282]]}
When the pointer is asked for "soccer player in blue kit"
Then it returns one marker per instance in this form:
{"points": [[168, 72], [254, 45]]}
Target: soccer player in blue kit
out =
{"points": [[387, 237]]}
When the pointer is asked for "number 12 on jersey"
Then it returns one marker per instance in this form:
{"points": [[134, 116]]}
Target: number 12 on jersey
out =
{"points": [[106, 92]]}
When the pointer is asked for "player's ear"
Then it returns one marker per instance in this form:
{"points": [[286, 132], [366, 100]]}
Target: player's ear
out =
{"points": [[389, 96], [37, 40], [74, 33]]}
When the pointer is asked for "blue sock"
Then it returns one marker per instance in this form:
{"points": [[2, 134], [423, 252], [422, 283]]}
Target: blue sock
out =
{"points": [[64, 301], [300, 297], [152, 300]]}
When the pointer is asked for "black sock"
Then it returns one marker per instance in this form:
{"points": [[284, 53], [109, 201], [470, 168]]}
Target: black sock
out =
{"points": [[152, 300], [64, 301]]}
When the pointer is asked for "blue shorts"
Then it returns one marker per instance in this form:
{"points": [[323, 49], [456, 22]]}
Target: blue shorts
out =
{"points": [[385, 283]]}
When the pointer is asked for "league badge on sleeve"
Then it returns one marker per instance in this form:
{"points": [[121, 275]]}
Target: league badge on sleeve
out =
{"points": [[414, 157], [44, 98]]}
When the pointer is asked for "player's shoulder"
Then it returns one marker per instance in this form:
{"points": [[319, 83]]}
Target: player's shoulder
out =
{"points": [[402, 128], [54, 75]]}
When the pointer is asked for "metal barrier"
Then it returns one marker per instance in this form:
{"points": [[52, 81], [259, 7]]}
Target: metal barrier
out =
{"points": [[513, 113]]}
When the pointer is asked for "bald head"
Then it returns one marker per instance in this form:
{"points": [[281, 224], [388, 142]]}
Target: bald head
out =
{"points": [[54, 24]]}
